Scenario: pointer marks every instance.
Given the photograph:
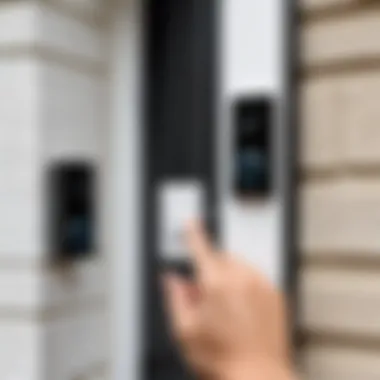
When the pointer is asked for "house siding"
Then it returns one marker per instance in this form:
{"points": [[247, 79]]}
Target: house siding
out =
{"points": [[339, 191], [53, 322]]}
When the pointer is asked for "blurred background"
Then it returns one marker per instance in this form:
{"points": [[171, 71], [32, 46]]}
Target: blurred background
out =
{"points": [[278, 105]]}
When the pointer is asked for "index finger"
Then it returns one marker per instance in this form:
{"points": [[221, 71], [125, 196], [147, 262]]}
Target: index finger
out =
{"points": [[200, 246]]}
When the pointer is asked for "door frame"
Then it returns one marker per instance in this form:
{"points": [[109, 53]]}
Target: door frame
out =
{"points": [[123, 188], [123, 218]]}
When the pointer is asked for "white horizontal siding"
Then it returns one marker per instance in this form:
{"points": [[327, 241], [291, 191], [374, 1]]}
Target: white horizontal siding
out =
{"points": [[68, 35], [20, 185], [20, 291], [35, 290], [73, 113], [87, 280], [75, 345], [20, 350], [89, 7], [32, 23], [18, 23]]}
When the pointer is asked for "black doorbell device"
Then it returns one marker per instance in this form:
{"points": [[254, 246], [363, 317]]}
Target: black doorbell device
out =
{"points": [[253, 122], [72, 216]]}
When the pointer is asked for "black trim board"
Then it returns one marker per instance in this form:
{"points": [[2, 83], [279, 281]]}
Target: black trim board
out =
{"points": [[179, 141]]}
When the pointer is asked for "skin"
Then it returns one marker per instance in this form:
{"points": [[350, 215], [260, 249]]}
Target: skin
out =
{"points": [[230, 321]]}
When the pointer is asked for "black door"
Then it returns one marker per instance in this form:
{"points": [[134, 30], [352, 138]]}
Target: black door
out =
{"points": [[179, 142]]}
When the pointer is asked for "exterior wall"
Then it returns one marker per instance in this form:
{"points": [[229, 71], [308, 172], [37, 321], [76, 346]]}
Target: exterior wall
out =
{"points": [[340, 192], [52, 78]]}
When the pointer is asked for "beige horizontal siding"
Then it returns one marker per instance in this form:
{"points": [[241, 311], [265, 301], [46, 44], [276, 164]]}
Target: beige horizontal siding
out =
{"points": [[340, 190], [341, 302], [332, 363], [321, 107], [341, 218], [342, 40], [317, 5], [340, 118], [360, 118]]}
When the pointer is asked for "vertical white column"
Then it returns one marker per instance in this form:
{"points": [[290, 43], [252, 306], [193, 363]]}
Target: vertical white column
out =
{"points": [[125, 190], [252, 64]]}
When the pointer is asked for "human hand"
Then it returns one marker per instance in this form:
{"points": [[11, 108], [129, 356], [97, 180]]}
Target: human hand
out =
{"points": [[230, 321]]}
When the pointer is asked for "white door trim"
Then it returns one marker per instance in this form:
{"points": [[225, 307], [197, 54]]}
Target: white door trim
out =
{"points": [[124, 189]]}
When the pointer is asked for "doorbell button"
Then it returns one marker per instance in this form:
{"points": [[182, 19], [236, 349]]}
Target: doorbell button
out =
{"points": [[179, 202]]}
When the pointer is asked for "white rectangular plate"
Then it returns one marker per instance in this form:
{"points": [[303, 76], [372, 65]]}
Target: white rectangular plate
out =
{"points": [[179, 202]]}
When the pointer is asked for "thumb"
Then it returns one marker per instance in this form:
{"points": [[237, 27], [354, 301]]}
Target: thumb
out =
{"points": [[179, 297]]}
